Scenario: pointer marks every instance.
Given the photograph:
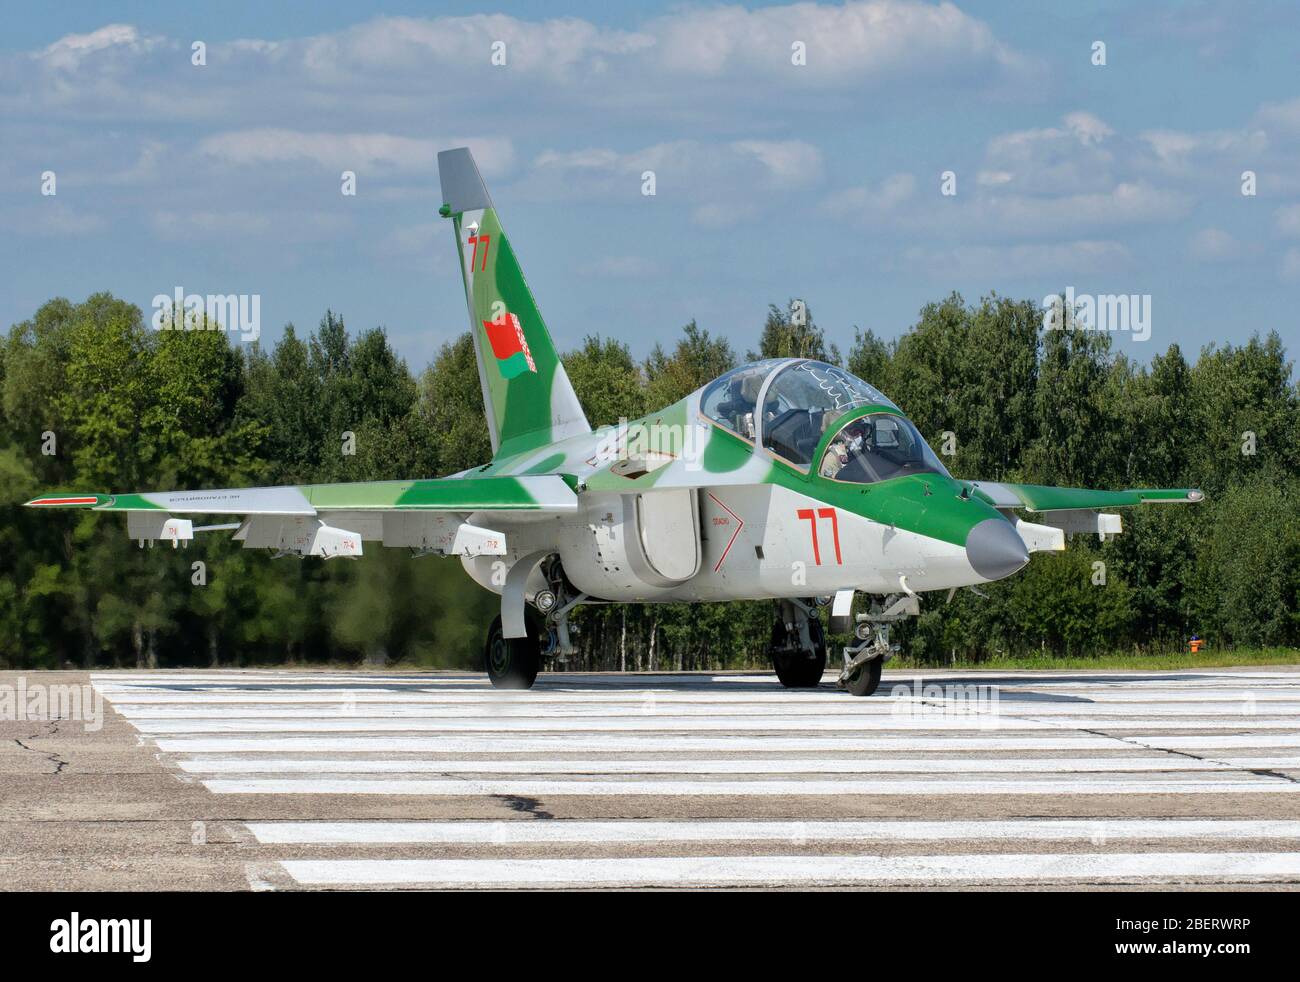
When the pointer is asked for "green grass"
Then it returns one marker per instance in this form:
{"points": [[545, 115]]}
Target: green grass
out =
{"points": [[1205, 658]]}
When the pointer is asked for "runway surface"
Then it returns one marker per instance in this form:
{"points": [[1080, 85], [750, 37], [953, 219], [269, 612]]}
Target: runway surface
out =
{"points": [[284, 780]]}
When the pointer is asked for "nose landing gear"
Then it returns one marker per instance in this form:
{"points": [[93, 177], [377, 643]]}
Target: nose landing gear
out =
{"points": [[864, 661]]}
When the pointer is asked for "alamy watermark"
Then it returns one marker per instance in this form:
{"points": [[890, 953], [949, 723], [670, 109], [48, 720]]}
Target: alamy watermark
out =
{"points": [[637, 447], [922, 698], [22, 702], [1127, 312], [103, 935], [233, 313]]}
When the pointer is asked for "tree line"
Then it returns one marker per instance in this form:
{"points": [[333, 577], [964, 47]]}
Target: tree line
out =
{"points": [[91, 399]]}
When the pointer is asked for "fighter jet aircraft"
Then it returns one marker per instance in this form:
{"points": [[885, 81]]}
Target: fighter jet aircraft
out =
{"points": [[788, 479]]}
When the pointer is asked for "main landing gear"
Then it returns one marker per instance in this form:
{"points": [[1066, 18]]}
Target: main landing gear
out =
{"points": [[798, 646], [513, 663]]}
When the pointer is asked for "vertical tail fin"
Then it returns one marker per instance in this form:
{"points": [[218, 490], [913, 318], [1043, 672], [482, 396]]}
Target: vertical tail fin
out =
{"points": [[526, 393]]}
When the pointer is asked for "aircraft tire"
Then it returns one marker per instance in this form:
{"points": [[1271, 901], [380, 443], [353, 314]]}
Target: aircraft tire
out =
{"points": [[796, 669], [866, 678], [512, 663]]}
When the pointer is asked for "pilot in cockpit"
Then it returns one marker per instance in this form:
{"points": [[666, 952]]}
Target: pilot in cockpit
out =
{"points": [[847, 444]]}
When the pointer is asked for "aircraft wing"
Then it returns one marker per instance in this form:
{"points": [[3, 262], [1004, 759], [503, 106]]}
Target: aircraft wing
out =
{"points": [[1037, 497], [333, 519], [1061, 510], [548, 493]]}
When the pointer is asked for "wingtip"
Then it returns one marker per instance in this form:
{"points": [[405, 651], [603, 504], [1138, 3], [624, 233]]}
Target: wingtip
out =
{"points": [[67, 501]]}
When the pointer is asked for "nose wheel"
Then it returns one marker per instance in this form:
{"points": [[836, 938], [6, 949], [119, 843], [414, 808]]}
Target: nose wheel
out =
{"points": [[865, 679], [865, 660]]}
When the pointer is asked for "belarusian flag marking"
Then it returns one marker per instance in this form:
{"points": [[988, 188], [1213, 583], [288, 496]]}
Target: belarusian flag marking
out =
{"points": [[506, 335]]}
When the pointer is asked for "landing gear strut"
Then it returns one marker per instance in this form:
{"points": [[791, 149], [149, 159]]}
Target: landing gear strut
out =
{"points": [[864, 661], [798, 647]]}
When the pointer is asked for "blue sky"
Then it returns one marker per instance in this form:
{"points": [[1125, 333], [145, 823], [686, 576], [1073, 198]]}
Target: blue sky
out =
{"points": [[819, 181]]}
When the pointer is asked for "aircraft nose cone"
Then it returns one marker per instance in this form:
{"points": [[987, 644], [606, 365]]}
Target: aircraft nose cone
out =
{"points": [[994, 549]]}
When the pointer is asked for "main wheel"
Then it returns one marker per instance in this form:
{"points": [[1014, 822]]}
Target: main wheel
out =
{"points": [[512, 663], [866, 677], [796, 668]]}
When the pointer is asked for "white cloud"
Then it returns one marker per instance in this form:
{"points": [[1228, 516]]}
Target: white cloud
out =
{"points": [[997, 209], [1127, 203], [789, 163], [1057, 159], [1187, 154], [349, 151], [870, 39], [1282, 117], [1211, 245], [1087, 128], [402, 66], [872, 201], [994, 178], [393, 44], [1073, 180], [719, 177], [69, 51]]}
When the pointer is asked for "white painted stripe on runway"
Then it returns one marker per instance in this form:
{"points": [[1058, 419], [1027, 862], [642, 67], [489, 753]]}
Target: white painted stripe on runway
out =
{"points": [[559, 831], [290, 692], [1157, 741], [649, 723], [415, 704], [888, 765], [1024, 699], [662, 723], [796, 870], [617, 686], [1078, 784], [883, 709], [651, 743]]}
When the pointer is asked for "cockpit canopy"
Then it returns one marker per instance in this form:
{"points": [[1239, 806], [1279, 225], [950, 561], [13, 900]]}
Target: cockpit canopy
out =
{"points": [[802, 402]]}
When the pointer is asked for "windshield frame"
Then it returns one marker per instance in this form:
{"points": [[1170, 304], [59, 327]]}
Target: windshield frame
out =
{"points": [[854, 415]]}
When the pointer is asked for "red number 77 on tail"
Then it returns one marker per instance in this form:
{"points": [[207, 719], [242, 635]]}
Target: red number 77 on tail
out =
{"points": [[473, 259]]}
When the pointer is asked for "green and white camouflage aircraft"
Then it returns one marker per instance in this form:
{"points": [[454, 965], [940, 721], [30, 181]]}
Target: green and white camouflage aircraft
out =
{"points": [[788, 480]]}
